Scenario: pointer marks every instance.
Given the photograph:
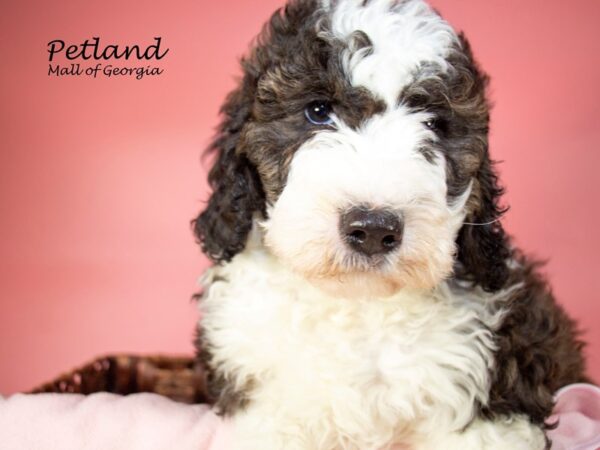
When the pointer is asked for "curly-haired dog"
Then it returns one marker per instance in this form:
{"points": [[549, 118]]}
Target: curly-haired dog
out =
{"points": [[365, 295]]}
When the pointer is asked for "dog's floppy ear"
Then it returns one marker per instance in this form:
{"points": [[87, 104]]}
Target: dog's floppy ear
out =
{"points": [[483, 247], [223, 227]]}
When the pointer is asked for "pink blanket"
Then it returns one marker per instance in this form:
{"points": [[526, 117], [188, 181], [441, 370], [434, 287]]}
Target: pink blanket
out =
{"points": [[107, 421], [578, 413], [150, 422]]}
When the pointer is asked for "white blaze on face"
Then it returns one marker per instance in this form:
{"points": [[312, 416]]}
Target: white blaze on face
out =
{"points": [[404, 34], [379, 165]]}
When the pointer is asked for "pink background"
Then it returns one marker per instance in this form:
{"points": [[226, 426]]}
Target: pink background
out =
{"points": [[100, 178]]}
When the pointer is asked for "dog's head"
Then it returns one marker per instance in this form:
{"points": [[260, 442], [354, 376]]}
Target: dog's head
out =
{"points": [[358, 141]]}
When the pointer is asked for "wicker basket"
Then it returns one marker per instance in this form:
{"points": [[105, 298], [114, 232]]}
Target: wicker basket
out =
{"points": [[178, 378]]}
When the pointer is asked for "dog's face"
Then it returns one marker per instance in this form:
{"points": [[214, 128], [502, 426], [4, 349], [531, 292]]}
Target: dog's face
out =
{"points": [[358, 142]]}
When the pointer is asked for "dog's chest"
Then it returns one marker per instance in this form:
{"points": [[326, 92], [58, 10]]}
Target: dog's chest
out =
{"points": [[362, 365]]}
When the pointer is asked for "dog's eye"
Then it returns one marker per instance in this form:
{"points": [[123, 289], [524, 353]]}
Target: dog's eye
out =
{"points": [[319, 113], [437, 125], [432, 123]]}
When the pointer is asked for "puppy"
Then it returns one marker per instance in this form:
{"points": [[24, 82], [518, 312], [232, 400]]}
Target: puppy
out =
{"points": [[364, 294]]}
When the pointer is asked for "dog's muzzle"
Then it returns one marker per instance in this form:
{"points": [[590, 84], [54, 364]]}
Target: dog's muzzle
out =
{"points": [[371, 231]]}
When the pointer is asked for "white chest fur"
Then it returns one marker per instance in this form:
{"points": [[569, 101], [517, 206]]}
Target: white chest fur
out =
{"points": [[330, 373]]}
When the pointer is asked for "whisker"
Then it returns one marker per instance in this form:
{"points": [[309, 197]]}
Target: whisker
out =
{"points": [[482, 224]]}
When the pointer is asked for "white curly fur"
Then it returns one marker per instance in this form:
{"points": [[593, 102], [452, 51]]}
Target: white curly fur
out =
{"points": [[329, 372], [403, 34]]}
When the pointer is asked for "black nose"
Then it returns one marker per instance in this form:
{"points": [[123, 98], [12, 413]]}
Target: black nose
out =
{"points": [[371, 231]]}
